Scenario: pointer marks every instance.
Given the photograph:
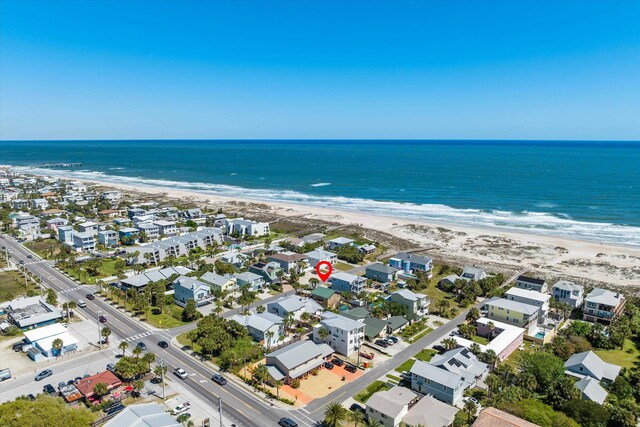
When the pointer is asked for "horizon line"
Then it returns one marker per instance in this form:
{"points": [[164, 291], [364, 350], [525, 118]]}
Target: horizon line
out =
{"points": [[324, 139]]}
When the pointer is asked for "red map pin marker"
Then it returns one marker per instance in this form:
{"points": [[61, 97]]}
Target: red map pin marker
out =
{"points": [[324, 275]]}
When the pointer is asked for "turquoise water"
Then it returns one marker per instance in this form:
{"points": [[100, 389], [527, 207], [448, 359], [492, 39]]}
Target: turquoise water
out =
{"points": [[539, 335], [573, 189]]}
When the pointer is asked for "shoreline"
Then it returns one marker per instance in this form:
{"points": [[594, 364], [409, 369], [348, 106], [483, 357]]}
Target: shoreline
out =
{"points": [[584, 261]]}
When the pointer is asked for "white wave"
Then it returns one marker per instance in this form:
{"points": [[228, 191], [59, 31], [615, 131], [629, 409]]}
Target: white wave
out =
{"points": [[116, 169], [536, 222], [320, 184], [547, 205]]}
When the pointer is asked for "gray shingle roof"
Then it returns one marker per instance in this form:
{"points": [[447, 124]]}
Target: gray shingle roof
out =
{"points": [[143, 415], [516, 306], [598, 367], [592, 390], [568, 286], [435, 374], [391, 402], [418, 259], [300, 352], [603, 296], [378, 267]]}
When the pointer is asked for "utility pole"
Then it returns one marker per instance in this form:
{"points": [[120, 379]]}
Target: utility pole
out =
{"points": [[220, 409], [162, 365]]}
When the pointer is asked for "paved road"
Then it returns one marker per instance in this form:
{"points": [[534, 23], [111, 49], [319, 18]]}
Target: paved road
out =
{"points": [[239, 404]]}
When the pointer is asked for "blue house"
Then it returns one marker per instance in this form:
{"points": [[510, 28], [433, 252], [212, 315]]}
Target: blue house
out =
{"points": [[410, 263], [187, 288], [346, 282], [445, 386]]}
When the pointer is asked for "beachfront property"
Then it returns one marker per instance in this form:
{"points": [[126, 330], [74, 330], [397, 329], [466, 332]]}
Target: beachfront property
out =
{"points": [[347, 282], [176, 246], [411, 263], [218, 283], [318, 255], [296, 360], [569, 293], [269, 271], [513, 313], [108, 238], [84, 242], [339, 242], [448, 375], [345, 335], [187, 288], [304, 240], [265, 328], [194, 214], [531, 297], [603, 306], [253, 281], [531, 283], [503, 338], [327, 297], [42, 341], [380, 272], [294, 305], [366, 249], [111, 196], [588, 364], [289, 261], [245, 227], [389, 407], [472, 273], [139, 281], [30, 312], [416, 305]]}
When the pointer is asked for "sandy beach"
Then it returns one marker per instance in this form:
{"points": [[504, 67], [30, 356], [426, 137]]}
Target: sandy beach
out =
{"points": [[585, 262]]}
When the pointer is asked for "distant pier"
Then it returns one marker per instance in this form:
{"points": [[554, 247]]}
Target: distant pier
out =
{"points": [[59, 165]]}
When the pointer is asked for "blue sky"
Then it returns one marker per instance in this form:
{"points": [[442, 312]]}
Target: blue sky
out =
{"points": [[331, 69]]}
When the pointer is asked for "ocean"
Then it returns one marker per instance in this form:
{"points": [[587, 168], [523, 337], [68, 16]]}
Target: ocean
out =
{"points": [[585, 190]]}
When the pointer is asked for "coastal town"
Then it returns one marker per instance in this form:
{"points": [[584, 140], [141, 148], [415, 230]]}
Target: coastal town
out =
{"points": [[122, 307]]}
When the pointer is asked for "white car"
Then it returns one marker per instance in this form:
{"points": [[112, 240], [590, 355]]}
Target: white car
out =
{"points": [[181, 408], [181, 373]]}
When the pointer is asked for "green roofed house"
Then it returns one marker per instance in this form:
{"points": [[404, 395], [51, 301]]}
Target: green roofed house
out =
{"points": [[357, 313], [374, 327], [396, 323], [327, 297]]}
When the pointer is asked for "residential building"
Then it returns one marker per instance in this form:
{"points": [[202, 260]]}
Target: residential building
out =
{"points": [[513, 313], [176, 246], [388, 407], [345, 335], [590, 389], [366, 248], [318, 255], [416, 305], [268, 271], [219, 283], [19, 204], [65, 234], [245, 227], [166, 227], [265, 328], [85, 242], [296, 360], [108, 237], [308, 239], [295, 305], [463, 362], [54, 223], [88, 227], [143, 415], [443, 385], [492, 417], [603, 306], [40, 203], [28, 224], [128, 235], [327, 297], [503, 338], [8, 195], [380, 272], [346, 282], [526, 282], [111, 196], [139, 281], [473, 273], [410, 263], [150, 230], [430, 412], [290, 261], [187, 288], [192, 214], [339, 242], [588, 364], [255, 282], [531, 297], [567, 292], [30, 312]]}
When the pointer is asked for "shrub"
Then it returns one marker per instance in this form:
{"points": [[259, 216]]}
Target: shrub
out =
{"points": [[295, 383]]}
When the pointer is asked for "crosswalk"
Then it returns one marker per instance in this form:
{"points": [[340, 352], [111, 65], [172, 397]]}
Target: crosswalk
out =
{"points": [[138, 336]]}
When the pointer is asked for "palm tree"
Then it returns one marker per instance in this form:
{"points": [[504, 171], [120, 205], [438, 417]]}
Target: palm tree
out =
{"points": [[123, 346], [470, 408], [449, 343], [268, 337], [137, 351], [100, 390], [491, 358], [138, 386], [288, 321], [159, 370], [260, 373], [57, 345], [473, 315], [335, 414], [149, 358], [492, 327], [277, 385], [305, 317], [357, 417], [105, 332], [323, 333], [372, 422]]}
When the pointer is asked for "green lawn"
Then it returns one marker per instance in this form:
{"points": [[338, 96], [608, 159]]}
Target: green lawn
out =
{"points": [[628, 357], [106, 269], [364, 395], [406, 366], [12, 285], [184, 341], [420, 335], [342, 266], [426, 354], [480, 340], [166, 319], [43, 248]]}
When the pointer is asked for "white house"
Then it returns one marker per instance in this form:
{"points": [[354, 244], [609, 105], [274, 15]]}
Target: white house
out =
{"points": [[294, 304], [345, 335], [265, 328], [390, 406]]}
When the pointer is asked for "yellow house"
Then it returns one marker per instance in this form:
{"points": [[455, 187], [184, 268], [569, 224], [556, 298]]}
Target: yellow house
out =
{"points": [[513, 313]]}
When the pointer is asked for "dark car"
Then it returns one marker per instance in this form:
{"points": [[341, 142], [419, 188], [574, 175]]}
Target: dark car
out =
{"points": [[382, 343], [356, 408], [102, 319], [287, 422], [48, 389], [29, 256], [44, 374], [62, 384], [350, 368], [18, 346], [90, 297], [163, 344], [71, 382], [219, 379], [142, 346], [328, 365], [393, 339], [338, 362], [439, 348], [31, 396]]}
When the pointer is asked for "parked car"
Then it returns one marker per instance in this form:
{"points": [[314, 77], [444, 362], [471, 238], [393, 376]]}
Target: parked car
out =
{"points": [[31, 396], [439, 348], [111, 367], [356, 408], [183, 407], [18, 346], [76, 380], [337, 361], [48, 389], [328, 365], [180, 373], [163, 344], [287, 422], [366, 355], [219, 379], [71, 382], [44, 374], [142, 346], [382, 343], [350, 368], [393, 338], [102, 319], [62, 384], [90, 297]]}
